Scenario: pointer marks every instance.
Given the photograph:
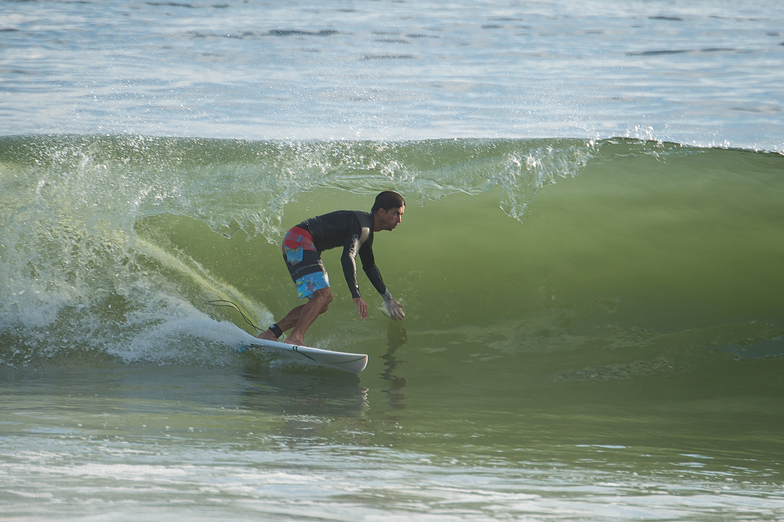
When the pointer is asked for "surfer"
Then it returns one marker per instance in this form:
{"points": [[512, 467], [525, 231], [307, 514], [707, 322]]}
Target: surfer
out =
{"points": [[352, 230]]}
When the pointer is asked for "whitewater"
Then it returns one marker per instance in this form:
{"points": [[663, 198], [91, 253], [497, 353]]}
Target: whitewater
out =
{"points": [[590, 260]]}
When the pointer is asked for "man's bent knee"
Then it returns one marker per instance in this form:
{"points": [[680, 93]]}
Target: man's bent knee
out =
{"points": [[323, 296]]}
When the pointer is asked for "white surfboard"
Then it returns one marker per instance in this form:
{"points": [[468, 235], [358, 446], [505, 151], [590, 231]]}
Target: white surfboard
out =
{"points": [[344, 361]]}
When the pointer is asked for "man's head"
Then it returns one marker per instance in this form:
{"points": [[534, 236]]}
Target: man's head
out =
{"points": [[388, 210]]}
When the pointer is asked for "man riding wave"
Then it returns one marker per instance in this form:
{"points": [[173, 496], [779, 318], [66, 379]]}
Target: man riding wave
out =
{"points": [[352, 230]]}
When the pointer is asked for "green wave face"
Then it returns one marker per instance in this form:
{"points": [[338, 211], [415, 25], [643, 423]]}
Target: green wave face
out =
{"points": [[112, 245]]}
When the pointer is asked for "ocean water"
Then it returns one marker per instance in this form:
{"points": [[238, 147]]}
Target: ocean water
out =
{"points": [[590, 260]]}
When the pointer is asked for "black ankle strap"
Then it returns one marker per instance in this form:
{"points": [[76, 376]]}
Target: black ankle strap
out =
{"points": [[275, 329]]}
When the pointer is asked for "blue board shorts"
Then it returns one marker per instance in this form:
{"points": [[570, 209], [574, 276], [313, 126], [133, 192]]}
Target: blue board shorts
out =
{"points": [[304, 262]]}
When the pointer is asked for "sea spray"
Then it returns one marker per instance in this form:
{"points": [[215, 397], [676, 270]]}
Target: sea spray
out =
{"points": [[107, 239]]}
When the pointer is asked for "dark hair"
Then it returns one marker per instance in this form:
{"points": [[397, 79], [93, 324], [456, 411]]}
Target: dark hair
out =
{"points": [[387, 200]]}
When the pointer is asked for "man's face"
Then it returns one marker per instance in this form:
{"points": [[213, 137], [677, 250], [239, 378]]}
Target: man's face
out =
{"points": [[389, 219]]}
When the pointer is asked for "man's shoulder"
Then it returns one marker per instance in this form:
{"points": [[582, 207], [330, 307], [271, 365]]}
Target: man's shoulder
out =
{"points": [[365, 219]]}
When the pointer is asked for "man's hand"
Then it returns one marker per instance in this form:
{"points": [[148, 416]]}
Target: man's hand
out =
{"points": [[395, 309], [362, 307]]}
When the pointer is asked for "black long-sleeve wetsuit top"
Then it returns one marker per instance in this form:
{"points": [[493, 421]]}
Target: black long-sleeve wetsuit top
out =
{"points": [[353, 230]]}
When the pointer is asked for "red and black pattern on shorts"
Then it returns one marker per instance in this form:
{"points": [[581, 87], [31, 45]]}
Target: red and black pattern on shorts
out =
{"points": [[304, 262]]}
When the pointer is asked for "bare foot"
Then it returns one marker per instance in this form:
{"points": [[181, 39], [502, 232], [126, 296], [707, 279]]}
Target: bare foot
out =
{"points": [[267, 335]]}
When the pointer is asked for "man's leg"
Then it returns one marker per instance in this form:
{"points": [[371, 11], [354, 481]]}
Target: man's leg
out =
{"points": [[301, 317], [285, 324], [317, 305]]}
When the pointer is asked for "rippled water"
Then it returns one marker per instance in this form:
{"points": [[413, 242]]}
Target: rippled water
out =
{"points": [[594, 323]]}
